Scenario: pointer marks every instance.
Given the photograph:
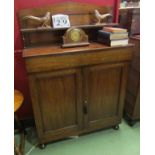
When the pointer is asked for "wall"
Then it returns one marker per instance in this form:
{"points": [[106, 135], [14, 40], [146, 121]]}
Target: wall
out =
{"points": [[21, 81]]}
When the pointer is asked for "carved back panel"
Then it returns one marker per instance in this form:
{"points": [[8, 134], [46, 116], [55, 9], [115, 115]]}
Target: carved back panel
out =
{"points": [[80, 14]]}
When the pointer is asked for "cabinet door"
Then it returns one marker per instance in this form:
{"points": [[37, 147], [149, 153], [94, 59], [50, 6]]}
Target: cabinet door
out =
{"points": [[56, 98], [104, 94]]}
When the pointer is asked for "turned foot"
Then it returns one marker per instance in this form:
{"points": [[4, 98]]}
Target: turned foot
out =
{"points": [[131, 122], [42, 146], [116, 127]]}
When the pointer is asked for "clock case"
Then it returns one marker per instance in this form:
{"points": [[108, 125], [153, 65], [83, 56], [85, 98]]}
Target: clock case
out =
{"points": [[68, 42]]}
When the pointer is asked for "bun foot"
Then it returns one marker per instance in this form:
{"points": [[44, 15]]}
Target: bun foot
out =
{"points": [[116, 127], [131, 122], [42, 146]]}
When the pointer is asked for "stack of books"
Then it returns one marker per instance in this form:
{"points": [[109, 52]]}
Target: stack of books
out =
{"points": [[112, 36]]}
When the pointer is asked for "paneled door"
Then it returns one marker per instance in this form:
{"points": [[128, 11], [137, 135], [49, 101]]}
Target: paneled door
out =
{"points": [[104, 90], [56, 98]]}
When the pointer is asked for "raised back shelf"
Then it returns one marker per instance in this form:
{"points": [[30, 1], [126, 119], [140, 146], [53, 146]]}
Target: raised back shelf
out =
{"points": [[80, 15], [31, 30], [74, 90]]}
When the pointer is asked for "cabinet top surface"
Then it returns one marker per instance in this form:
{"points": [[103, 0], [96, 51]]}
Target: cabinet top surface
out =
{"points": [[57, 49], [137, 37]]}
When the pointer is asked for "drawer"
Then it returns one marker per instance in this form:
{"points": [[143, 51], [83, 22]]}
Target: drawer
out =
{"points": [[69, 60]]}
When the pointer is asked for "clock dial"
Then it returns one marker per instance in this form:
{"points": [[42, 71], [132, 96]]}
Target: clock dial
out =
{"points": [[75, 35]]}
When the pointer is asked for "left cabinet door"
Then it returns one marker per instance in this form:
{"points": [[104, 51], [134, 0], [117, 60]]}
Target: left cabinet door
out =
{"points": [[57, 105]]}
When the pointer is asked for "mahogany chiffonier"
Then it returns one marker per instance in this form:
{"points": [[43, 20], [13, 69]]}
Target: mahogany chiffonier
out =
{"points": [[73, 90]]}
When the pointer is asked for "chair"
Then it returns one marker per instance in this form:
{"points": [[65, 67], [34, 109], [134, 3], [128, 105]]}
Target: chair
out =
{"points": [[18, 100]]}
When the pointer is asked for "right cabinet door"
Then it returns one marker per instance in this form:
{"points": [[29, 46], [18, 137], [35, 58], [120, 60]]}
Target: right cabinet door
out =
{"points": [[104, 91]]}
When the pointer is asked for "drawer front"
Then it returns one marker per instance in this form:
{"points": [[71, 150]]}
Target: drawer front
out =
{"points": [[48, 63]]}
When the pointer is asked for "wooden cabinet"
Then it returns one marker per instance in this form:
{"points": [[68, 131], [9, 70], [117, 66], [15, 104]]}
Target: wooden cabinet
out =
{"points": [[73, 90], [132, 99], [76, 91]]}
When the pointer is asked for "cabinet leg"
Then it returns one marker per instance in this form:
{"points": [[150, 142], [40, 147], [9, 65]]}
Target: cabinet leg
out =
{"points": [[131, 122], [42, 146], [116, 127]]}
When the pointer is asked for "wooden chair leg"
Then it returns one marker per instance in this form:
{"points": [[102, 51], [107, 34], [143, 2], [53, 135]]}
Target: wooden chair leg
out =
{"points": [[22, 143], [20, 127], [16, 149], [19, 149]]}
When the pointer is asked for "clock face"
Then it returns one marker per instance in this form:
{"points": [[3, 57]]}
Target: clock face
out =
{"points": [[75, 35]]}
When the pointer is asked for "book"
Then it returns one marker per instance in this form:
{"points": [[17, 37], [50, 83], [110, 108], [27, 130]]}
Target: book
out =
{"points": [[114, 29], [112, 36], [119, 42]]}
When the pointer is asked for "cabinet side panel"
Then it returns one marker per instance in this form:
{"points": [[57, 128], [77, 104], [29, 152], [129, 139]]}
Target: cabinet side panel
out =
{"points": [[136, 113]]}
